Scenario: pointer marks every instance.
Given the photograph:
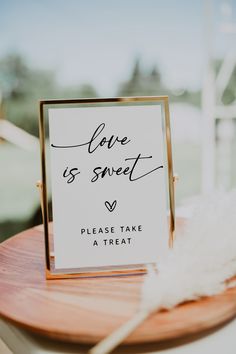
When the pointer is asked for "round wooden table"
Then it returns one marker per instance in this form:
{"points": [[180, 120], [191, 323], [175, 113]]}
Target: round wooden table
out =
{"points": [[87, 310]]}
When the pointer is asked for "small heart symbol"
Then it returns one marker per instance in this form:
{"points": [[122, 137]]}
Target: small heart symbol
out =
{"points": [[109, 206]]}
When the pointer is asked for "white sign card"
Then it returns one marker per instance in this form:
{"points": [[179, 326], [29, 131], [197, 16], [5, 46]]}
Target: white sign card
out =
{"points": [[108, 178]]}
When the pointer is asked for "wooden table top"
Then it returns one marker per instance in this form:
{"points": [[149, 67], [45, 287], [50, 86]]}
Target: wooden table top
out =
{"points": [[86, 310]]}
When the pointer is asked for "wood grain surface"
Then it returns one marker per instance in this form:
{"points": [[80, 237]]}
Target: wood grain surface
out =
{"points": [[87, 310]]}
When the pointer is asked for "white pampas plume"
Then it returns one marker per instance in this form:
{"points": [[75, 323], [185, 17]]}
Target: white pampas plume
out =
{"points": [[203, 259]]}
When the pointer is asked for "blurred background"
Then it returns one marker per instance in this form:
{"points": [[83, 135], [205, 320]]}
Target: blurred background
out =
{"points": [[73, 49]]}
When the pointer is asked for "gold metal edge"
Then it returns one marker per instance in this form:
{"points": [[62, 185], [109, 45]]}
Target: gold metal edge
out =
{"points": [[44, 185], [104, 100], [170, 173], [111, 273]]}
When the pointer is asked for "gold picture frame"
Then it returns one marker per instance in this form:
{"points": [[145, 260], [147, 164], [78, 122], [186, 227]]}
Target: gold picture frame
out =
{"points": [[51, 272]]}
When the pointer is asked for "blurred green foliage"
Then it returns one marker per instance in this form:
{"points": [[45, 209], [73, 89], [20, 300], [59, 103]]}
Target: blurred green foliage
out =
{"points": [[229, 95], [22, 87], [150, 83]]}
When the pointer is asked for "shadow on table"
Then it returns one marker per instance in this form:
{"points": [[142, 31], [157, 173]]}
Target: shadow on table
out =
{"points": [[147, 348]]}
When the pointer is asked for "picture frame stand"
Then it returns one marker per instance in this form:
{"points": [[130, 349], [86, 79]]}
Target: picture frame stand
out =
{"points": [[149, 114]]}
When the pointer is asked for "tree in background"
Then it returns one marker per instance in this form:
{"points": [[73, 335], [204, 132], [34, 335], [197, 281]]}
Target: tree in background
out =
{"points": [[22, 87], [141, 83], [229, 95], [145, 83]]}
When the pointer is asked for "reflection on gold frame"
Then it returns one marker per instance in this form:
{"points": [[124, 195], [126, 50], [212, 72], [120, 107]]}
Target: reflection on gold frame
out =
{"points": [[51, 272]]}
